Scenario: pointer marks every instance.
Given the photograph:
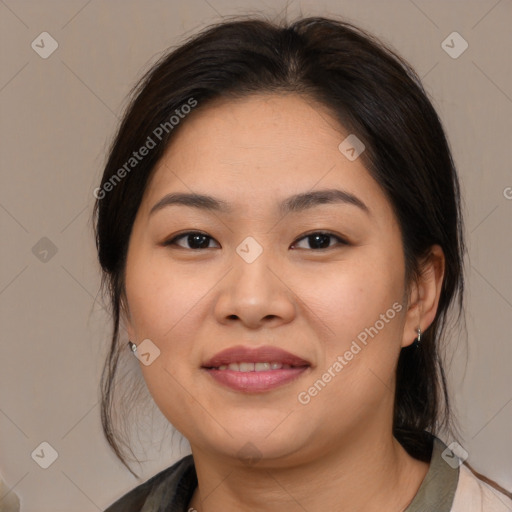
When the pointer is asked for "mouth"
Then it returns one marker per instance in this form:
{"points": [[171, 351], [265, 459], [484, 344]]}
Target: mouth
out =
{"points": [[255, 370]]}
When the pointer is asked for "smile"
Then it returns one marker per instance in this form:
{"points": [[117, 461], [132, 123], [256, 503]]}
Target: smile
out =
{"points": [[255, 370]]}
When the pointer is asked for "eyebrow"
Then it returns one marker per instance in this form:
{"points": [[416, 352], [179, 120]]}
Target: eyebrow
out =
{"points": [[295, 203]]}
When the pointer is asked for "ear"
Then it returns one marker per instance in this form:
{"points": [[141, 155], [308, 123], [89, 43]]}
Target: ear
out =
{"points": [[424, 295]]}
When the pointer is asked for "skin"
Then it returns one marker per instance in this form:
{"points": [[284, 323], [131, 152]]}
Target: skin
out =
{"points": [[337, 452]]}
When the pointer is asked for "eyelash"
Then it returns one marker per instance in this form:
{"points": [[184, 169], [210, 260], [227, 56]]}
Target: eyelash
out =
{"points": [[341, 241]]}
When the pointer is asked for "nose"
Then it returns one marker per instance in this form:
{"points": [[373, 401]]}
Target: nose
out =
{"points": [[255, 294]]}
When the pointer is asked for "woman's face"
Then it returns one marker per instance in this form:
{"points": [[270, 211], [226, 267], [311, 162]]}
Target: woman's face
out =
{"points": [[253, 278]]}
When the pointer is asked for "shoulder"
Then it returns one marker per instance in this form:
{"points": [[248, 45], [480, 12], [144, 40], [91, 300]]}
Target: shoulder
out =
{"points": [[134, 500], [474, 495]]}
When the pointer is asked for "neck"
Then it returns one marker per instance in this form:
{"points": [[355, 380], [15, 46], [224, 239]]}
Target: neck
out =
{"points": [[357, 476]]}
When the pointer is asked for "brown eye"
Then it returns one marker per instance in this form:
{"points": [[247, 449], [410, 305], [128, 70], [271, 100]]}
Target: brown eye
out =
{"points": [[320, 240], [194, 239]]}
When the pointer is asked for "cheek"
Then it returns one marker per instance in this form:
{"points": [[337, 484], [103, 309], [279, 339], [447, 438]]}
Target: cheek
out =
{"points": [[353, 296], [361, 305], [164, 304], [159, 296], [354, 377]]}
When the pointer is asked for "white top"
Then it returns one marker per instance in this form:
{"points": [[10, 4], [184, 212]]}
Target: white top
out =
{"points": [[474, 495]]}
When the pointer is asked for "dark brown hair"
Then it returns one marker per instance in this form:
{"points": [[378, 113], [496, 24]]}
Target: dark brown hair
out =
{"points": [[374, 94]]}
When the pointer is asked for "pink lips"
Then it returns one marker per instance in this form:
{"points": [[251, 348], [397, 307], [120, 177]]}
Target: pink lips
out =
{"points": [[255, 381]]}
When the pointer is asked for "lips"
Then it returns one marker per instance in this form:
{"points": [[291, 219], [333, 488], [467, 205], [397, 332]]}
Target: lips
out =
{"points": [[255, 370]]}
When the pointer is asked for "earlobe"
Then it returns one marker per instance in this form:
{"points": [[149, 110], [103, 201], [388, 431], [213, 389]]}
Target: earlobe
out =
{"points": [[424, 296]]}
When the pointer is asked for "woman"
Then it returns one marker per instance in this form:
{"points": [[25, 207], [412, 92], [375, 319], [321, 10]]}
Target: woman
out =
{"points": [[280, 232]]}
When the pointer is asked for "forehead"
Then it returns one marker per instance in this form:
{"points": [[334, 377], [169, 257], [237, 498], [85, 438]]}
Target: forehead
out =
{"points": [[258, 148]]}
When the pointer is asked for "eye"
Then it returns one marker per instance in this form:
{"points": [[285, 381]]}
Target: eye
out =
{"points": [[320, 240], [195, 239]]}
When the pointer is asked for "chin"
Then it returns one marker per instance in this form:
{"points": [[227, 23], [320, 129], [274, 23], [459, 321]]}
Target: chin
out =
{"points": [[258, 448]]}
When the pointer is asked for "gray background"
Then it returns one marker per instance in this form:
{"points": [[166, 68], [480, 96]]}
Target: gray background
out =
{"points": [[57, 117]]}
